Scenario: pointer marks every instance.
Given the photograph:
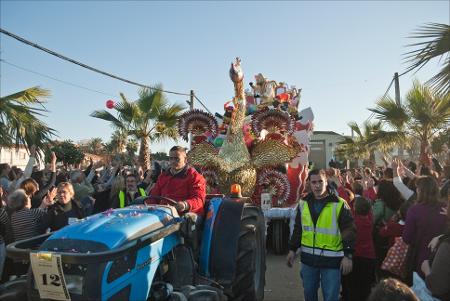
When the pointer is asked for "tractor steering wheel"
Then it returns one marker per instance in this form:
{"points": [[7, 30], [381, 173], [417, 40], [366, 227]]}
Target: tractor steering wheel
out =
{"points": [[160, 198]]}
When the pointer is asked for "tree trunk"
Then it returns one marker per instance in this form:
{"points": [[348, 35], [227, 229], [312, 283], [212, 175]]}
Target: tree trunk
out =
{"points": [[372, 161], [144, 157], [424, 156], [401, 150]]}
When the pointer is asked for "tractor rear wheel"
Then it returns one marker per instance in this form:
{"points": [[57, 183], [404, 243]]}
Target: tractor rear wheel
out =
{"points": [[249, 278], [280, 236]]}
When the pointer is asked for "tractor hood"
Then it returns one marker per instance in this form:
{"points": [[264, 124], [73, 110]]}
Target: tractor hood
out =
{"points": [[115, 227]]}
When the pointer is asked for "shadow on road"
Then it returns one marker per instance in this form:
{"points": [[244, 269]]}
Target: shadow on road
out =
{"points": [[283, 283]]}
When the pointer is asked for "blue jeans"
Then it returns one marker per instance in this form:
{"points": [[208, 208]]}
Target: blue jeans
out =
{"points": [[328, 279]]}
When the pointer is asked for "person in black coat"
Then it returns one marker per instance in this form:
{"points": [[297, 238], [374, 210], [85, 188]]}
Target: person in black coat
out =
{"points": [[65, 209]]}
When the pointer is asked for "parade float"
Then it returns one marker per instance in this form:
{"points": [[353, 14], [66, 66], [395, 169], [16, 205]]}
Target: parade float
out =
{"points": [[261, 142]]}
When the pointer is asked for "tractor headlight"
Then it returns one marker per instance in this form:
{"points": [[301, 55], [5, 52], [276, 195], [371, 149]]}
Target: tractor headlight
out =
{"points": [[74, 284]]}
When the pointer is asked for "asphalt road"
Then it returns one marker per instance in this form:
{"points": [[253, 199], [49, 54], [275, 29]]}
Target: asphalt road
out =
{"points": [[282, 283]]}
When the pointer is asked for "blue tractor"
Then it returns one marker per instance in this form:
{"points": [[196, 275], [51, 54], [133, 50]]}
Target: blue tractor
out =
{"points": [[148, 252]]}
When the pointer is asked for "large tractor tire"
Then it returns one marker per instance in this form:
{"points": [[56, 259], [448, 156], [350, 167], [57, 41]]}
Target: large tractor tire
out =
{"points": [[14, 290], [280, 236], [249, 278]]}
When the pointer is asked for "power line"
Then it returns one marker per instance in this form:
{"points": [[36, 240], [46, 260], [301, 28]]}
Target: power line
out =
{"points": [[387, 90], [407, 71], [202, 104], [403, 73], [76, 85], [385, 93], [84, 65], [55, 79]]}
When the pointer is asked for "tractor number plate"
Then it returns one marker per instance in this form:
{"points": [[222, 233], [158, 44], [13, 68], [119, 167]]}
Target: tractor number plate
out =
{"points": [[49, 276]]}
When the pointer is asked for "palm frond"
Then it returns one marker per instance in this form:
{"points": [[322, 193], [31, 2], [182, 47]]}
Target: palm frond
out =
{"points": [[436, 45], [387, 139], [387, 110], [428, 110], [128, 111], [440, 82], [168, 133], [31, 95], [355, 127], [151, 101], [102, 114], [19, 123], [136, 133], [122, 96]]}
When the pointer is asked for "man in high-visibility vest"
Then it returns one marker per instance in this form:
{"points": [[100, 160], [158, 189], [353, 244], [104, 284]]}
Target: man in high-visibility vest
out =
{"points": [[132, 192], [325, 233]]}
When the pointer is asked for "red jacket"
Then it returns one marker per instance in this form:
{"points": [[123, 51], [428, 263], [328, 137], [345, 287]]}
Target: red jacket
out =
{"points": [[370, 194], [343, 193], [392, 230], [364, 243], [188, 185]]}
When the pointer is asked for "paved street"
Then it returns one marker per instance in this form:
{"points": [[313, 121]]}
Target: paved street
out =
{"points": [[282, 283]]}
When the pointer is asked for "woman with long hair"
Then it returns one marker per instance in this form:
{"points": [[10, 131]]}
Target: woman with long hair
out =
{"points": [[387, 204], [424, 220], [437, 269]]}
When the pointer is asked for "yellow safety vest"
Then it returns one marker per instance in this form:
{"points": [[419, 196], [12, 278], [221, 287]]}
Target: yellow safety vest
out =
{"points": [[324, 239], [122, 197]]}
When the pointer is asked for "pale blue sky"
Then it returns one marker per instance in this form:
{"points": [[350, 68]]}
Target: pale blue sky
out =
{"points": [[342, 54]]}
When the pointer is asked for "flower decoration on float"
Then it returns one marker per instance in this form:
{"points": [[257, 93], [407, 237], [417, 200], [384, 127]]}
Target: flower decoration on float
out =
{"points": [[273, 120], [198, 123], [211, 177], [278, 184]]}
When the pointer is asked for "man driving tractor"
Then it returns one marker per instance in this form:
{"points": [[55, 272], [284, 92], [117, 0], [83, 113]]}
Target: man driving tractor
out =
{"points": [[181, 183]]}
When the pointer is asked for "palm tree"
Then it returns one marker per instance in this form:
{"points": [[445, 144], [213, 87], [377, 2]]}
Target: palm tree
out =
{"points": [[422, 115], [149, 119], [349, 149], [132, 147], [19, 123], [95, 146], [437, 45], [119, 140], [363, 145]]}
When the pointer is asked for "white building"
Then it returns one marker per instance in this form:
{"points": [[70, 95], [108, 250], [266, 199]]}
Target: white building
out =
{"points": [[18, 157], [322, 146], [324, 143]]}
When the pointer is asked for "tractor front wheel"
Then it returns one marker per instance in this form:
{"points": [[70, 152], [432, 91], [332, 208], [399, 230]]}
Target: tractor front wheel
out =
{"points": [[249, 278]]}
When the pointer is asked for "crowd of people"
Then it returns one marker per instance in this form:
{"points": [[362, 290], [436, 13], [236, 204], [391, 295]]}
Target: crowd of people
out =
{"points": [[348, 224], [34, 202], [359, 227]]}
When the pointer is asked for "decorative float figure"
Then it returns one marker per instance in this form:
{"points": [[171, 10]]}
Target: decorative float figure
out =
{"points": [[264, 151]]}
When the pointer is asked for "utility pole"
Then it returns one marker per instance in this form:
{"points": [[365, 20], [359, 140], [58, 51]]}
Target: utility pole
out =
{"points": [[191, 100], [191, 107], [398, 102], [397, 89]]}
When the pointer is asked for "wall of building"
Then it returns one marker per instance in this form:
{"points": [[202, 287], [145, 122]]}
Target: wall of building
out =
{"points": [[322, 145], [18, 157]]}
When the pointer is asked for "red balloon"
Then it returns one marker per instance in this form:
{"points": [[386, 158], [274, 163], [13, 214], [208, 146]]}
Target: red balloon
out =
{"points": [[110, 104]]}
